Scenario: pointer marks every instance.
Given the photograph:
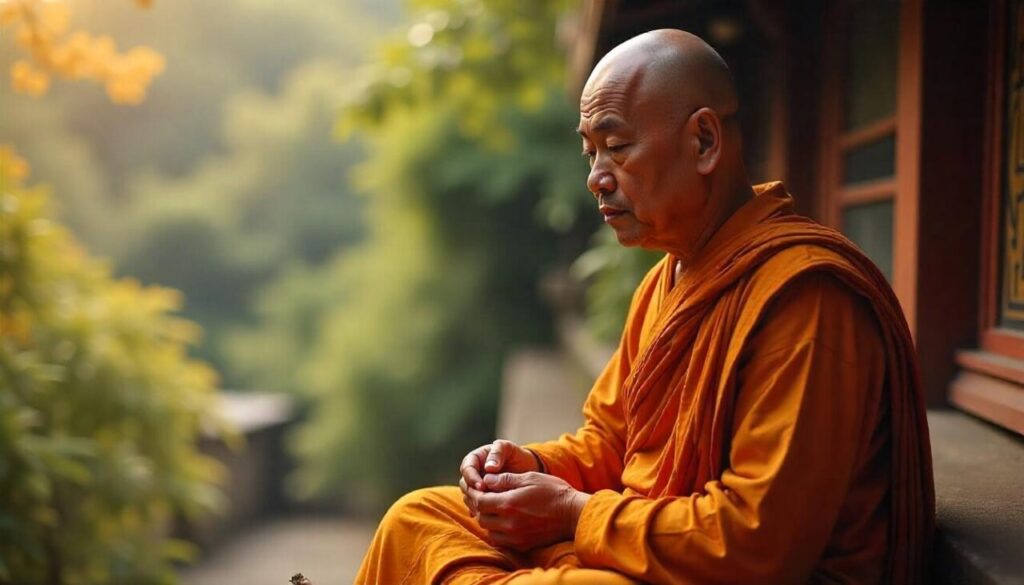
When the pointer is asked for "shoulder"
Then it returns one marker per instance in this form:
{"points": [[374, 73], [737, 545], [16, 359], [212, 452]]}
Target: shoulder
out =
{"points": [[817, 306]]}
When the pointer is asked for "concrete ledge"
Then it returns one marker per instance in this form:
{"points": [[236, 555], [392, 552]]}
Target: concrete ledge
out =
{"points": [[979, 487], [253, 486], [250, 412], [541, 396]]}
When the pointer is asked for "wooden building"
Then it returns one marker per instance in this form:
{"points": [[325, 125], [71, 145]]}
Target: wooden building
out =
{"points": [[902, 124]]}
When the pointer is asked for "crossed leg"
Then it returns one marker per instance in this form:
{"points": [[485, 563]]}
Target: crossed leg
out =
{"points": [[428, 537]]}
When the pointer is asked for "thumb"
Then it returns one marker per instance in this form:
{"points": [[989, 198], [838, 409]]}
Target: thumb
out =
{"points": [[501, 482], [496, 458]]}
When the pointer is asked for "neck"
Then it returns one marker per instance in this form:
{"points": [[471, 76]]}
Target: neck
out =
{"points": [[721, 207]]}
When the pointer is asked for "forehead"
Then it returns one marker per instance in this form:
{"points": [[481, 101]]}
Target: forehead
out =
{"points": [[610, 98], [606, 109]]}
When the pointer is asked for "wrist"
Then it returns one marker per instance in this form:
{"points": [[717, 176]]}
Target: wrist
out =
{"points": [[577, 502], [538, 462]]}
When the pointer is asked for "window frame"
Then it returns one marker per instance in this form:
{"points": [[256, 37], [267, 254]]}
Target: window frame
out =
{"points": [[904, 125], [991, 380]]}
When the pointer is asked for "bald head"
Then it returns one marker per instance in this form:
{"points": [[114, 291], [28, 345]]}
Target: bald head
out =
{"points": [[666, 159], [670, 65]]}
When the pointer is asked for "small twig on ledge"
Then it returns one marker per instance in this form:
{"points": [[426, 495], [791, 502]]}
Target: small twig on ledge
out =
{"points": [[298, 579]]}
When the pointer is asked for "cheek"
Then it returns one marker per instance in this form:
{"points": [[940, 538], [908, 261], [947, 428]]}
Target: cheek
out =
{"points": [[643, 190], [633, 185]]}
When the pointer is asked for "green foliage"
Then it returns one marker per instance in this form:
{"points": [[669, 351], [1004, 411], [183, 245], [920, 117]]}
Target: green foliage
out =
{"points": [[474, 190], [483, 59], [228, 172], [612, 273], [213, 50], [488, 57], [409, 329], [271, 353], [100, 410], [277, 197]]}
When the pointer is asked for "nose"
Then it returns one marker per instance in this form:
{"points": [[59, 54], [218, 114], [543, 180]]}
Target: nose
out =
{"points": [[601, 181]]}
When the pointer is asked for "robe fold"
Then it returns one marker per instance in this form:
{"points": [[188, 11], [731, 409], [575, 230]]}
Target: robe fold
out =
{"points": [[762, 421]]}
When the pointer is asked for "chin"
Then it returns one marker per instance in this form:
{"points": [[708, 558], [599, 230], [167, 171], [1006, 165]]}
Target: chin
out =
{"points": [[629, 240]]}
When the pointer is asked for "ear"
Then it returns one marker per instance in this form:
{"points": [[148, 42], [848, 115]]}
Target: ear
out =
{"points": [[707, 127]]}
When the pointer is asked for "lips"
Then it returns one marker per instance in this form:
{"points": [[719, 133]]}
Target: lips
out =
{"points": [[609, 212]]}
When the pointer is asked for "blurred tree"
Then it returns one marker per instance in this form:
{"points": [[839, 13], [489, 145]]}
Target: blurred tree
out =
{"points": [[471, 176], [71, 165], [483, 56], [483, 59], [40, 30], [422, 313], [228, 172], [612, 273], [100, 410], [277, 197], [214, 51]]}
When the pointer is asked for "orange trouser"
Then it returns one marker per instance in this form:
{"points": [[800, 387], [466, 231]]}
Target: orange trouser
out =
{"points": [[428, 537]]}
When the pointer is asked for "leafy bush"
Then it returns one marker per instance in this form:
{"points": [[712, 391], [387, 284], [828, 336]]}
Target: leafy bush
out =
{"points": [[612, 273], [408, 329], [483, 59], [472, 179], [100, 409]]}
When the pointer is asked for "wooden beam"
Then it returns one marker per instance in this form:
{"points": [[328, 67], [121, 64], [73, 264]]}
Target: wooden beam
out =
{"points": [[868, 134], [868, 192], [994, 400], [908, 163], [593, 23]]}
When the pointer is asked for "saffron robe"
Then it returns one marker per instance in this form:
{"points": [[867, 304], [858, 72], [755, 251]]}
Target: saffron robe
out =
{"points": [[760, 422]]}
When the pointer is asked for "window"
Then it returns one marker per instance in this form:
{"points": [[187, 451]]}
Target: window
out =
{"points": [[869, 111]]}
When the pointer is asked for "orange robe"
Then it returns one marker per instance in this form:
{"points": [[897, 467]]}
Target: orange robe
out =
{"points": [[761, 422]]}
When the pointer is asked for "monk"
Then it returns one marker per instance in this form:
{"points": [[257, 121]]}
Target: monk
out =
{"points": [[761, 421]]}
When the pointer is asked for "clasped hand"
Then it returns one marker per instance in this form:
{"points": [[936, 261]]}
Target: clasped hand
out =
{"points": [[519, 507]]}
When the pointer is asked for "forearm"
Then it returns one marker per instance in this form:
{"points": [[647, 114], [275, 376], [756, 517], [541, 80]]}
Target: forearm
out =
{"points": [[588, 460], [710, 538]]}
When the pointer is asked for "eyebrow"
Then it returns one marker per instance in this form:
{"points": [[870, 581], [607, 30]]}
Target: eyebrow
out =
{"points": [[604, 124]]}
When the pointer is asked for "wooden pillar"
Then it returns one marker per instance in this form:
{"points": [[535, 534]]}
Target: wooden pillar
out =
{"points": [[951, 147]]}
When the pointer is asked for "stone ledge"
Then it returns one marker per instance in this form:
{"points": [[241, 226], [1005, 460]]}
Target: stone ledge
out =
{"points": [[979, 489], [255, 468], [250, 412], [541, 396]]}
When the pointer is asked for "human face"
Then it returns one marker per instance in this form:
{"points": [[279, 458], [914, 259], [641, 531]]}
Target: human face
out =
{"points": [[642, 162]]}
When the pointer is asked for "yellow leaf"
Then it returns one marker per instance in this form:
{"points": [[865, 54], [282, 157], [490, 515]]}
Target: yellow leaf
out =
{"points": [[126, 91], [27, 79], [12, 167], [54, 18], [10, 13]]}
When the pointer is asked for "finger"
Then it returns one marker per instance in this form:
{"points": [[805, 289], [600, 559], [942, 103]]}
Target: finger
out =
{"points": [[496, 458], [470, 467], [489, 503], [466, 499], [496, 523], [506, 540], [473, 498], [502, 482], [471, 477]]}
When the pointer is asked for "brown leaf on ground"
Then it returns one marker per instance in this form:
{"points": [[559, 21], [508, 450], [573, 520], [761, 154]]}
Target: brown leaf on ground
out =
{"points": [[298, 579]]}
